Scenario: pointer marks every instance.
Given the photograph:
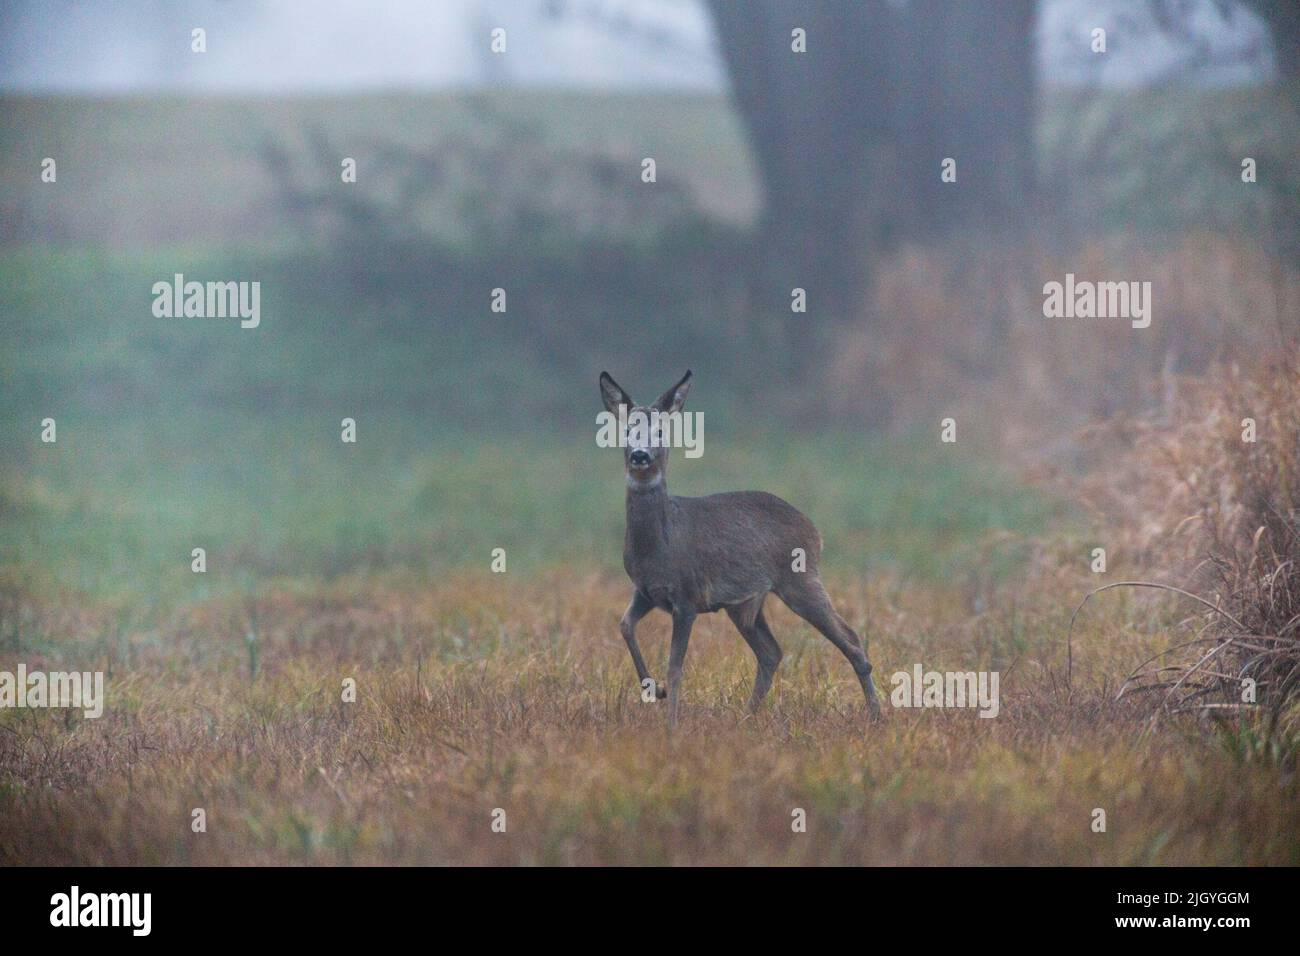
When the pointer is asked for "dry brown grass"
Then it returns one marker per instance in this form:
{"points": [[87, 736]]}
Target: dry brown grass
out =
{"points": [[1178, 498], [492, 691], [1220, 515]]}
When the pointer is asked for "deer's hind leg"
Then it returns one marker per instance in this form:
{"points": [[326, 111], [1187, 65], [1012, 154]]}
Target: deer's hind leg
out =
{"points": [[748, 618], [807, 597]]}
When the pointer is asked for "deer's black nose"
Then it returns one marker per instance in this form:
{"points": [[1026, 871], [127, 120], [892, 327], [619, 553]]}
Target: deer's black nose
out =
{"points": [[639, 458]]}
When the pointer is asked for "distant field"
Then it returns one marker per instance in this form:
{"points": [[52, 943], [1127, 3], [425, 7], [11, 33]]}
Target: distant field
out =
{"points": [[165, 170], [156, 171]]}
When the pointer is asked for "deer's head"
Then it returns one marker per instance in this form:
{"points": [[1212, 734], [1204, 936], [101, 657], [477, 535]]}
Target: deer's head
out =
{"points": [[645, 441]]}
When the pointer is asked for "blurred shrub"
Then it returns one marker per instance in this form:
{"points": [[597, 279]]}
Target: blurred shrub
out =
{"points": [[962, 327], [500, 188], [1165, 160]]}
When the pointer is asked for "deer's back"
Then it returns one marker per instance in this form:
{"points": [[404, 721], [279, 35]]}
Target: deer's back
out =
{"points": [[763, 521], [725, 548]]}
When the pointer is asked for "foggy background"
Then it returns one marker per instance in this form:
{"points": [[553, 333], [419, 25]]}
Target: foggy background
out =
{"points": [[776, 171], [621, 44]]}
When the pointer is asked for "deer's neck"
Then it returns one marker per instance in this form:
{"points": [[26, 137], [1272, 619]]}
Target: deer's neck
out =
{"points": [[647, 518]]}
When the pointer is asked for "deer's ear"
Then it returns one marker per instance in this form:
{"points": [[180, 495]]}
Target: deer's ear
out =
{"points": [[613, 395], [673, 399]]}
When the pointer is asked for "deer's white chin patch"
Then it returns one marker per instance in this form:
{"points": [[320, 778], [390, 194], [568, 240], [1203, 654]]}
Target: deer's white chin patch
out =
{"points": [[643, 484]]}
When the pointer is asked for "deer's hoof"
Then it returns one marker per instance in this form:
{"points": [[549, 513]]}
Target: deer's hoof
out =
{"points": [[661, 692]]}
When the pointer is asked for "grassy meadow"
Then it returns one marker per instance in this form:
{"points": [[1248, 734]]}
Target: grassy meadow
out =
{"points": [[370, 562]]}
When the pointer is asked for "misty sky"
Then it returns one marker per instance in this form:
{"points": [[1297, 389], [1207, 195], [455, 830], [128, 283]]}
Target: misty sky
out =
{"points": [[317, 45]]}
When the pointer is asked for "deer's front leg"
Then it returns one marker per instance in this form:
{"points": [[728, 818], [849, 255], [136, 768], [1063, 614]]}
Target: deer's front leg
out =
{"points": [[639, 608], [682, 623]]}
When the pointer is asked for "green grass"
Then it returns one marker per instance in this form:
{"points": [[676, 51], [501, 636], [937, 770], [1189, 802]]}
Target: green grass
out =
{"points": [[286, 498], [184, 433]]}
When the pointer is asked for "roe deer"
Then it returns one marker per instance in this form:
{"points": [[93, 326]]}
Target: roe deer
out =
{"points": [[691, 556]]}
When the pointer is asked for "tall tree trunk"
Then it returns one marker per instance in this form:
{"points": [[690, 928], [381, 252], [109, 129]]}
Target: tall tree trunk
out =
{"points": [[849, 136], [812, 119], [1283, 19]]}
